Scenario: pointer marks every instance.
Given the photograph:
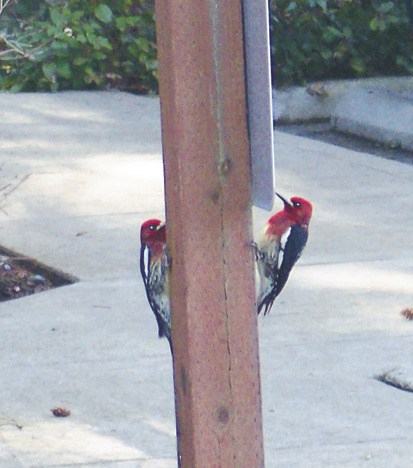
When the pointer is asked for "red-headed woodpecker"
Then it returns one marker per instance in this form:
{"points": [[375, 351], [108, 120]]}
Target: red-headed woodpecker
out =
{"points": [[281, 245], [155, 273]]}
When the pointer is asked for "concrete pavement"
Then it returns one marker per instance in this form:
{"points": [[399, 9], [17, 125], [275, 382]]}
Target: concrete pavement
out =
{"points": [[95, 168]]}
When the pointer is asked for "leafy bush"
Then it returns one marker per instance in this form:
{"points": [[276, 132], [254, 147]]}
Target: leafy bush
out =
{"points": [[322, 39], [73, 44]]}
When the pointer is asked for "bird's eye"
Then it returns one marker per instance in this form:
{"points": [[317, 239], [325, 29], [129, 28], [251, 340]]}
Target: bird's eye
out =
{"points": [[152, 227], [297, 204]]}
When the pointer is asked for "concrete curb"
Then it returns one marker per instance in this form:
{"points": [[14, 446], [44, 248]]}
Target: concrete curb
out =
{"points": [[295, 104], [379, 109], [377, 114]]}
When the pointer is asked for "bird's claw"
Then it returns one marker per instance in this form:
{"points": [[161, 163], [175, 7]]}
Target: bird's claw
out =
{"points": [[167, 261], [259, 255]]}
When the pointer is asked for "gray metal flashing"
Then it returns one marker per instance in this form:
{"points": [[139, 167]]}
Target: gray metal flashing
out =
{"points": [[259, 98]]}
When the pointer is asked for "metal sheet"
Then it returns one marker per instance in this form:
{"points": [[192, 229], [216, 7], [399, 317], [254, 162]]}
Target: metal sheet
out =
{"points": [[259, 93]]}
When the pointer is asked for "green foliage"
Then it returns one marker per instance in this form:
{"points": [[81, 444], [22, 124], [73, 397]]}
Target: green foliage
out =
{"points": [[323, 39], [73, 44]]}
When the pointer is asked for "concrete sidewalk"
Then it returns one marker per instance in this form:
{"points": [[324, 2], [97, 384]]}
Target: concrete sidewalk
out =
{"points": [[95, 168]]}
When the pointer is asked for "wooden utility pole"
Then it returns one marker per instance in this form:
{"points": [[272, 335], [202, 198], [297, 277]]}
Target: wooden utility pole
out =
{"points": [[208, 207]]}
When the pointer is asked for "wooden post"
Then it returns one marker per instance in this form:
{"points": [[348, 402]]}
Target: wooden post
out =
{"points": [[208, 206]]}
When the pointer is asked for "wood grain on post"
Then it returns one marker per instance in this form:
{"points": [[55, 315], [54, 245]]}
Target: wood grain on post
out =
{"points": [[208, 207]]}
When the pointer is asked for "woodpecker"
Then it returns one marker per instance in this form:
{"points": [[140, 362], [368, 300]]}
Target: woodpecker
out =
{"points": [[281, 245], [155, 274]]}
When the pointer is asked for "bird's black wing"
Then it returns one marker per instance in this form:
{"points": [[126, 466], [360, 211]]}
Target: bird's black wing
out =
{"points": [[290, 254]]}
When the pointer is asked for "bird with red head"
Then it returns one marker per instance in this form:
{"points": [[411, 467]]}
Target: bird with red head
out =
{"points": [[155, 273], [281, 245]]}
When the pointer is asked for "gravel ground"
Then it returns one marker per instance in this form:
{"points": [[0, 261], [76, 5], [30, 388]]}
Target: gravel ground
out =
{"points": [[21, 276]]}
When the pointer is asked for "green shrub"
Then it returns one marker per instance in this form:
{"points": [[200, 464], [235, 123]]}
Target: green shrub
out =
{"points": [[322, 39], [73, 44]]}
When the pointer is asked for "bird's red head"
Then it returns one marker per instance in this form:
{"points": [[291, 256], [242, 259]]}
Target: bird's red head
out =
{"points": [[299, 209], [153, 232]]}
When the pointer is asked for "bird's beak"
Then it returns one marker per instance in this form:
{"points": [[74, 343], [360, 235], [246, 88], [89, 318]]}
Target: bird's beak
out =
{"points": [[286, 202], [161, 226]]}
